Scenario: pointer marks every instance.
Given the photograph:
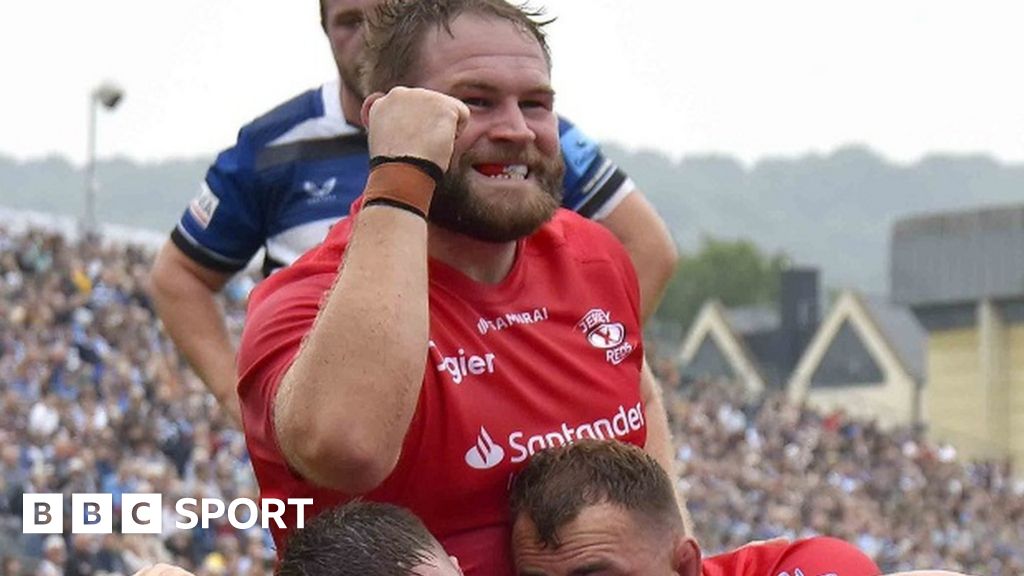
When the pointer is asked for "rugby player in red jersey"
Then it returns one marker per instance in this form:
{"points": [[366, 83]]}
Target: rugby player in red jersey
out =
{"points": [[608, 509], [459, 322]]}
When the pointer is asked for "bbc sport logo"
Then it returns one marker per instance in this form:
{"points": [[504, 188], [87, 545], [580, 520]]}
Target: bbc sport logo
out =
{"points": [[143, 513]]}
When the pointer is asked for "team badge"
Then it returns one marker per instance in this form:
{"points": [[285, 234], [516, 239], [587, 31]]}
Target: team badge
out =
{"points": [[606, 335]]}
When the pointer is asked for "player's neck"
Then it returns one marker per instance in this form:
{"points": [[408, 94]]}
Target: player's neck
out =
{"points": [[351, 104], [485, 262]]}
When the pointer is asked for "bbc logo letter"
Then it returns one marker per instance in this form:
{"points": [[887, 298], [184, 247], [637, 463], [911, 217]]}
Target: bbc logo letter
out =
{"points": [[92, 513], [142, 514], [43, 514]]}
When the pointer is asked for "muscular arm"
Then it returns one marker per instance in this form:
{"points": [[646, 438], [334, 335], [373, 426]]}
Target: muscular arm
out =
{"points": [[344, 406], [184, 294], [637, 225]]}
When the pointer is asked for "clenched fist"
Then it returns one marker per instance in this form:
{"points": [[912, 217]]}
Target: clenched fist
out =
{"points": [[414, 122]]}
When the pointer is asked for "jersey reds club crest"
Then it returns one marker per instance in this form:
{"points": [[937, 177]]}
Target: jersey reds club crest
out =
{"points": [[606, 335]]}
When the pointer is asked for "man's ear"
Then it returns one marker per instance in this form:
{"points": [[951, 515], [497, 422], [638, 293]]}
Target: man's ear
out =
{"points": [[686, 557], [364, 112], [455, 561]]}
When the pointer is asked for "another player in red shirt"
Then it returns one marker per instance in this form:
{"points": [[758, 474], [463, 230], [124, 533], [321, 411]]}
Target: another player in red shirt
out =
{"points": [[458, 322], [607, 509]]}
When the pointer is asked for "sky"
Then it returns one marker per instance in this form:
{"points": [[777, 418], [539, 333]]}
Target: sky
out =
{"points": [[746, 78]]}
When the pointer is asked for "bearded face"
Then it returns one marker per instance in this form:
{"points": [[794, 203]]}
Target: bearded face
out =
{"points": [[499, 195]]}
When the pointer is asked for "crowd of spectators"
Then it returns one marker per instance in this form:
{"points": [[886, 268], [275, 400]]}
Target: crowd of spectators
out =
{"points": [[94, 398], [756, 468]]}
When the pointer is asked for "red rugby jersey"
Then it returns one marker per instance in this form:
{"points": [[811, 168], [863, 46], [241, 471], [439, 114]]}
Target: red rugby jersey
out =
{"points": [[551, 354], [819, 556]]}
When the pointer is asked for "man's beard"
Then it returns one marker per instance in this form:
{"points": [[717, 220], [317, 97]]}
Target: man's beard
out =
{"points": [[352, 77], [499, 216]]}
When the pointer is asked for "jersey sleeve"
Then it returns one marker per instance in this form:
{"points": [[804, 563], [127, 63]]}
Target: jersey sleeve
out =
{"points": [[594, 185], [823, 555], [222, 227], [275, 325]]}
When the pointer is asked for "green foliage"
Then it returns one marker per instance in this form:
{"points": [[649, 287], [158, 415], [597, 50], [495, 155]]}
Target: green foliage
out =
{"points": [[734, 271]]}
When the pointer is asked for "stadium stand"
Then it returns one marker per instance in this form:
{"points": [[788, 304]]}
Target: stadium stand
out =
{"points": [[94, 398]]}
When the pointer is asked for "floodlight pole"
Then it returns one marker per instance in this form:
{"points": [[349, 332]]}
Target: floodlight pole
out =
{"points": [[107, 96], [89, 223]]}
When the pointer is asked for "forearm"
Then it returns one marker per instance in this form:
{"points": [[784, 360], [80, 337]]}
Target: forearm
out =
{"points": [[184, 296], [655, 263], [344, 406], [659, 440], [196, 326], [650, 246], [659, 434]]}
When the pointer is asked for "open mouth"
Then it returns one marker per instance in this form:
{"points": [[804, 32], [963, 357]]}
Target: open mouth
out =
{"points": [[503, 171]]}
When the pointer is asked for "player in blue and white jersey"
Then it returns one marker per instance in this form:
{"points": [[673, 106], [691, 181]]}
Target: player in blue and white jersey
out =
{"points": [[294, 172]]}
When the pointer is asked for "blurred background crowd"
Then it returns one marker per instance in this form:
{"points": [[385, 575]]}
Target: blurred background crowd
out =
{"points": [[94, 398]]}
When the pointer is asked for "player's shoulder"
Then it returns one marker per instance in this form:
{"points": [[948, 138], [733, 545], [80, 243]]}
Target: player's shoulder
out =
{"points": [[309, 125], [575, 143], [312, 115], [564, 125], [754, 559], [313, 271], [283, 117], [581, 237], [824, 555], [815, 555]]}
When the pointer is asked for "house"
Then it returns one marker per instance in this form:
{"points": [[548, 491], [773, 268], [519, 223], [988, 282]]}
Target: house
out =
{"points": [[756, 345], [867, 359]]}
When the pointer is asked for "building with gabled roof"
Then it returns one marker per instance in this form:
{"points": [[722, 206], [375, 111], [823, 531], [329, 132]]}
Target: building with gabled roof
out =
{"points": [[867, 359], [756, 345], [714, 349], [962, 274]]}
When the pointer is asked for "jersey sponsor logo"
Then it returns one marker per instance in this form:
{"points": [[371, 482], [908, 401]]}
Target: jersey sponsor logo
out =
{"points": [[462, 365], [485, 454], [620, 424], [799, 572], [204, 205], [319, 191], [606, 335], [485, 325]]}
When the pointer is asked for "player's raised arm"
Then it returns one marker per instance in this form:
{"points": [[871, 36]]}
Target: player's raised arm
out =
{"points": [[344, 405]]}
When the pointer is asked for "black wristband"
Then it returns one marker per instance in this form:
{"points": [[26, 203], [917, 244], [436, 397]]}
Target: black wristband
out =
{"points": [[426, 166], [381, 201]]}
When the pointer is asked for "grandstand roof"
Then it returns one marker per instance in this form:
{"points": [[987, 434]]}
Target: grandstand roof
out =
{"points": [[959, 257]]}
